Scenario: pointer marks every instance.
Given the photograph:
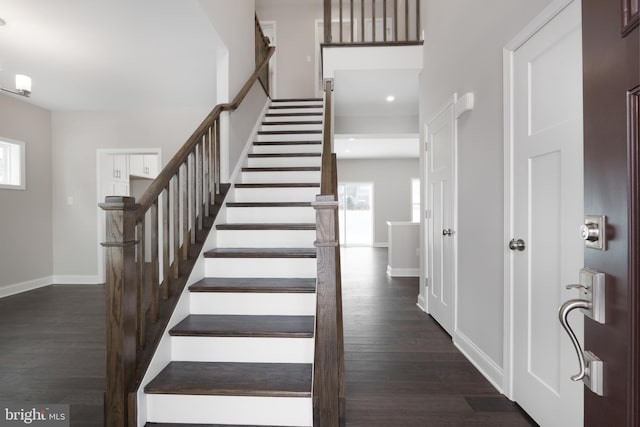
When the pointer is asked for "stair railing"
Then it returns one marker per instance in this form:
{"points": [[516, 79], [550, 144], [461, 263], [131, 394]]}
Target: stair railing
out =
{"points": [[328, 378], [370, 22], [150, 249]]}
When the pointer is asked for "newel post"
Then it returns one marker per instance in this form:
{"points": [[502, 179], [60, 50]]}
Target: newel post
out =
{"points": [[120, 268], [326, 383]]}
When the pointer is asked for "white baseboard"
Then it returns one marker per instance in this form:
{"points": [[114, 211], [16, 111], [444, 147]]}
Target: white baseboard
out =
{"points": [[403, 272], [381, 245], [76, 280], [422, 303], [487, 367], [29, 285]]}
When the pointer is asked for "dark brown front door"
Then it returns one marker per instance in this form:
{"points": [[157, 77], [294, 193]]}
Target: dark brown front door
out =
{"points": [[611, 162]]}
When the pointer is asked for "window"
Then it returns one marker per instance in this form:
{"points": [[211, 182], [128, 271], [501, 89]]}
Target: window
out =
{"points": [[415, 200], [12, 164]]}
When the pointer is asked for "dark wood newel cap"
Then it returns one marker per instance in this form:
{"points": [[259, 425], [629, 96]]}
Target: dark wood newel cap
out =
{"points": [[119, 203]]}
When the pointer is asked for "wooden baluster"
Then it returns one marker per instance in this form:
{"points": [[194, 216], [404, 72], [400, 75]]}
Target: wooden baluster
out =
{"points": [[340, 21], [384, 20], [395, 20], [175, 204], [362, 20], [141, 291], [165, 243], [120, 213], [373, 20], [417, 20], [351, 17], [217, 160], [155, 282], [198, 159], [184, 189], [192, 198], [206, 154], [327, 21], [406, 20]]}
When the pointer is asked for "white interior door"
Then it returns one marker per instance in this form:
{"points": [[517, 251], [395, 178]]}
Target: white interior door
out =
{"points": [[547, 211], [441, 136]]}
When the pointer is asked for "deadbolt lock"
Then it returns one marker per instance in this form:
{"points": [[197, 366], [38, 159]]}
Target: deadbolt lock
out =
{"points": [[593, 232]]}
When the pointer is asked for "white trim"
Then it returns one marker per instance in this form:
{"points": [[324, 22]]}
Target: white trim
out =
{"points": [[550, 12], [22, 149], [380, 244], [273, 62], [28, 285], [403, 272], [483, 363], [463, 104], [422, 303], [76, 279]]}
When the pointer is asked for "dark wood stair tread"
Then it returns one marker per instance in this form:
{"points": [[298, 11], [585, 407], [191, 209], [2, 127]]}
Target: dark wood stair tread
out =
{"points": [[261, 253], [282, 169], [203, 325], [278, 185], [303, 142], [282, 107], [288, 132], [293, 114], [269, 155], [296, 99], [268, 204], [199, 425], [267, 226], [293, 123], [258, 285], [233, 379]]}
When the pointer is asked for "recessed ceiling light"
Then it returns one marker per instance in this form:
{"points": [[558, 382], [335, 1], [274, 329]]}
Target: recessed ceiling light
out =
{"points": [[352, 139], [347, 151], [390, 98]]}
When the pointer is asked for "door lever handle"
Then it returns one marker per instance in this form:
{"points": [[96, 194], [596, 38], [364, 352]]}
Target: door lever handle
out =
{"points": [[563, 314]]}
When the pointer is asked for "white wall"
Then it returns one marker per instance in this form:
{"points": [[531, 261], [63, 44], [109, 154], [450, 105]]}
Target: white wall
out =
{"points": [[76, 137], [295, 26], [380, 125], [25, 215], [463, 53], [391, 180]]}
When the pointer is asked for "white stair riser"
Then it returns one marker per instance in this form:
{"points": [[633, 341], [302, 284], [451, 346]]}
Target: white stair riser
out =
{"points": [[248, 410], [281, 161], [266, 238], [291, 118], [260, 267], [258, 304], [297, 102], [287, 148], [275, 194], [242, 349], [296, 127], [280, 176], [289, 137], [294, 110], [271, 214]]}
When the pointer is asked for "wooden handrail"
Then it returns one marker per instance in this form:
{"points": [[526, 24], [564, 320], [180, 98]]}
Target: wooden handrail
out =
{"points": [[410, 8], [329, 379], [174, 215]]}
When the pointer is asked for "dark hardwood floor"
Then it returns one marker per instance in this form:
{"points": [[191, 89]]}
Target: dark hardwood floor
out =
{"points": [[401, 367], [52, 349]]}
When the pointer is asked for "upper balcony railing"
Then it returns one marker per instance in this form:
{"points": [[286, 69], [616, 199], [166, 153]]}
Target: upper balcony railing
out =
{"points": [[367, 22]]}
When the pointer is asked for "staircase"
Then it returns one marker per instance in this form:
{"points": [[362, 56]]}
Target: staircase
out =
{"points": [[244, 354]]}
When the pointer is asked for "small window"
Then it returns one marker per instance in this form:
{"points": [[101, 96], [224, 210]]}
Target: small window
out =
{"points": [[12, 164], [415, 200]]}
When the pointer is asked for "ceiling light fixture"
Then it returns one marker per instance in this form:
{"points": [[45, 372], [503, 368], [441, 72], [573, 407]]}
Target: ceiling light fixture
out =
{"points": [[391, 98], [23, 86]]}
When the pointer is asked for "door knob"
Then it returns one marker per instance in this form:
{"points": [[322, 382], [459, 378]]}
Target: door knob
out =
{"points": [[590, 232], [517, 245], [447, 232]]}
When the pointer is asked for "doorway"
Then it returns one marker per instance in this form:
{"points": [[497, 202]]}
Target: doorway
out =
{"points": [[355, 210], [269, 30]]}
